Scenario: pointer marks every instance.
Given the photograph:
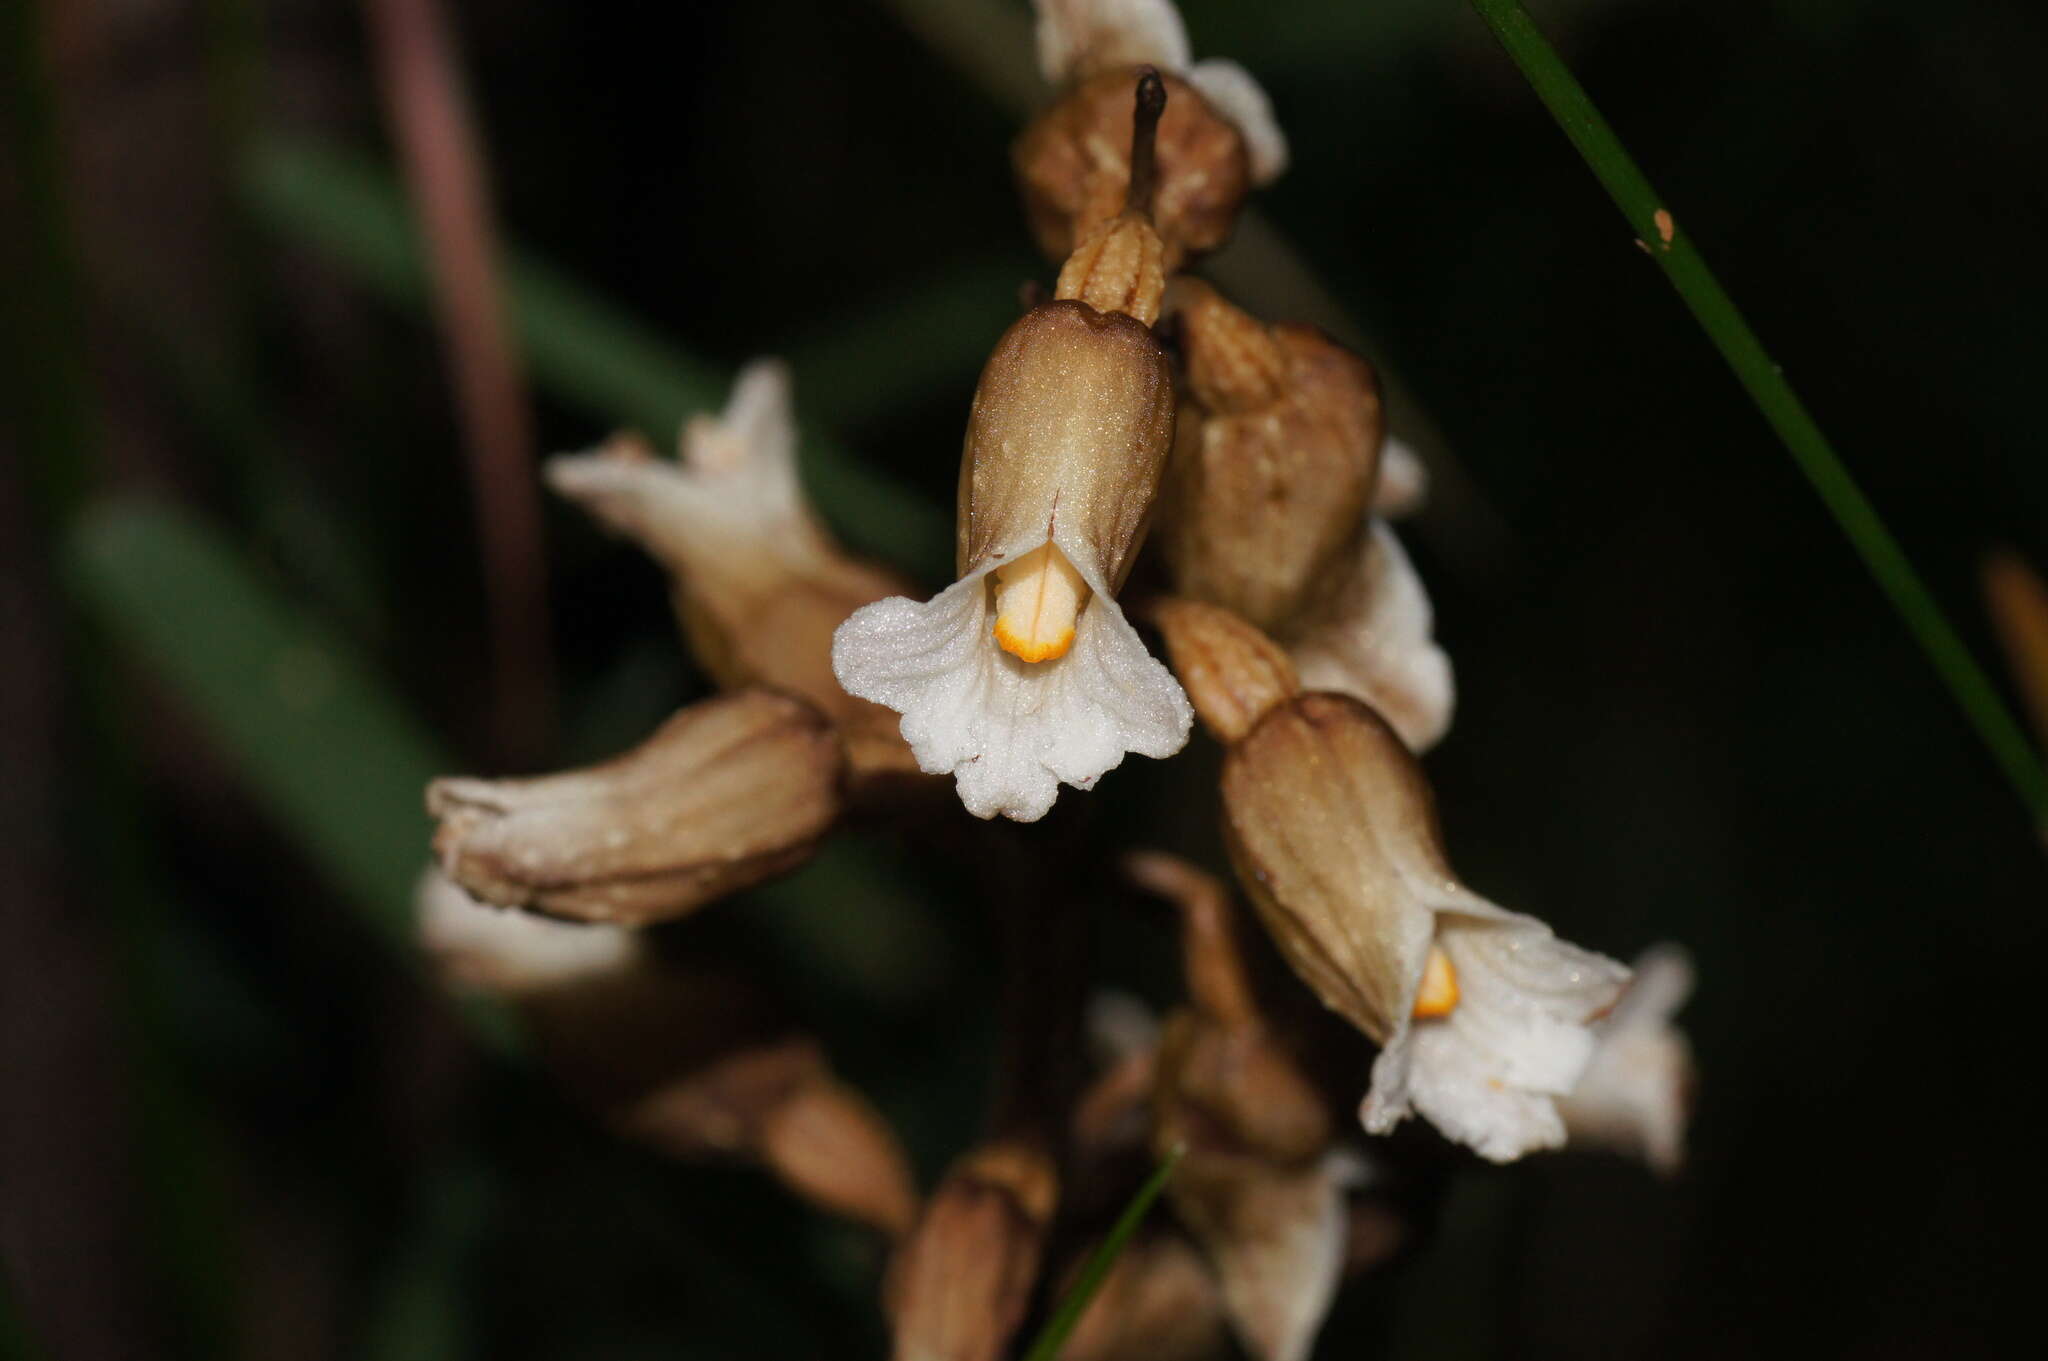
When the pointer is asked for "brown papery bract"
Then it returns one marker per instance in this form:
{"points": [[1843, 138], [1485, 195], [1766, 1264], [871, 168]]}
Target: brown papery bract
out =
{"points": [[727, 793], [1273, 465], [1257, 1187], [686, 1058], [1158, 1303], [1232, 672], [1332, 827], [960, 1283], [1069, 431]]}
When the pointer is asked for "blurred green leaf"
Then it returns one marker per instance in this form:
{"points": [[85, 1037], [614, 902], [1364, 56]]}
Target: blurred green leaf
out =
{"points": [[14, 1341], [418, 1312], [339, 764], [578, 347]]}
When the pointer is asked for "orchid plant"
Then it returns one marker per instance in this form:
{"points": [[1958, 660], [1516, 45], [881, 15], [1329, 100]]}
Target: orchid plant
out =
{"points": [[1135, 405]]}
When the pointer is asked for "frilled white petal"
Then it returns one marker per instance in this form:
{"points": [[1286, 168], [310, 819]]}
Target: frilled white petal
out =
{"points": [[1232, 91], [504, 949], [1404, 480], [1633, 1095], [734, 497], [1374, 643], [1076, 37], [1280, 1269], [1490, 1074], [1011, 732]]}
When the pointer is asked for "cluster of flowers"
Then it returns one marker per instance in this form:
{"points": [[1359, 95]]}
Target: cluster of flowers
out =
{"points": [[1136, 398]]}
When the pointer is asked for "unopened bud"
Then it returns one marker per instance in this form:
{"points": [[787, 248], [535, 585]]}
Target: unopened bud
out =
{"points": [[829, 1145], [1259, 1186], [960, 1283], [1074, 170], [777, 1104], [727, 793], [1119, 265], [1274, 464], [1158, 1303], [1232, 672], [690, 1061]]}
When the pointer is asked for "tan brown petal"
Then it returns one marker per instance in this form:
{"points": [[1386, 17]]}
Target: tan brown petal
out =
{"points": [[1274, 463], [1073, 167], [833, 1149], [1117, 267], [1232, 672], [725, 794], [778, 1104], [687, 1059], [1158, 1303], [1331, 826], [960, 1283], [1070, 428]]}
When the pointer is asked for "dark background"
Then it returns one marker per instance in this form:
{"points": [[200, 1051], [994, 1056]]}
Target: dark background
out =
{"points": [[233, 1124]]}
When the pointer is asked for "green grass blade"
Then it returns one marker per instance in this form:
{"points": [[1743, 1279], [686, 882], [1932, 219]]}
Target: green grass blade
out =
{"points": [[1724, 324], [578, 347], [1096, 1269], [14, 1340], [337, 763]]}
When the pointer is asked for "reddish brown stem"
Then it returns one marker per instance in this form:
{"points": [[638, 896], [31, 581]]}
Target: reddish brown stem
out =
{"points": [[444, 170]]}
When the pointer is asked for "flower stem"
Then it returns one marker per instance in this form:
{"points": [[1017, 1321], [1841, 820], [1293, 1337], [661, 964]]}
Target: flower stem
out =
{"points": [[1718, 316]]}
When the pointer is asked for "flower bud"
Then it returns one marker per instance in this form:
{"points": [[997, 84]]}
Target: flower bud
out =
{"points": [[1331, 828], [1232, 672], [778, 1104], [1274, 464], [1158, 1303], [960, 1283], [1038, 678], [759, 584], [1073, 173], [1260, 1186], [691, 1062], [727, 793], [1217, 140]]}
